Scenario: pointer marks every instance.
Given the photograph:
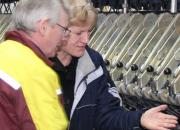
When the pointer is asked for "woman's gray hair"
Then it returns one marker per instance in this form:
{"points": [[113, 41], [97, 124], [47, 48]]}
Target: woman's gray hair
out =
{"points": [[29, 12]]}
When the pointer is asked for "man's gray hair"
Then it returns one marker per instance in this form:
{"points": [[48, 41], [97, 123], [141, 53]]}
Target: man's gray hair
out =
{"points": [[29, 12]]}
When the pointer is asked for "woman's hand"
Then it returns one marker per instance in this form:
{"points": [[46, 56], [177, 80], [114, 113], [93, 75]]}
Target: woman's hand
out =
{"points": [[155, 119]]}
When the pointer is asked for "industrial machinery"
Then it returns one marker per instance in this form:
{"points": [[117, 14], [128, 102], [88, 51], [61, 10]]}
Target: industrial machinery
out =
{"points": [[142, 54]]}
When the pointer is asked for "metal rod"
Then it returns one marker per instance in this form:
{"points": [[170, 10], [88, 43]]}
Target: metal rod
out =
{"points": [[173, 6], [125, 7]]}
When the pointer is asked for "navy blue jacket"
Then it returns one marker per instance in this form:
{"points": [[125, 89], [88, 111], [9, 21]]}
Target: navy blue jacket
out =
{"points": [[97, 104]]}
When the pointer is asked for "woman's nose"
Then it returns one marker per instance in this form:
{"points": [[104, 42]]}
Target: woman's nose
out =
{"points": [[85, 37]]}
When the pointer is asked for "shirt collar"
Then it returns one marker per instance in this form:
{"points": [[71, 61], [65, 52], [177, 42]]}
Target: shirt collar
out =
{"points": [[58, 66]]}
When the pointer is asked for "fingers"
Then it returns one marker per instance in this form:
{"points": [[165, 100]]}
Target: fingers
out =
{"points": [[167, 125], [170, 117], [161, 129], [171, 121]]}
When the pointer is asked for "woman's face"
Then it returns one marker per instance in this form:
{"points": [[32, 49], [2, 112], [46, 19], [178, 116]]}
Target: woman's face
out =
{"points": [[77, 41]]}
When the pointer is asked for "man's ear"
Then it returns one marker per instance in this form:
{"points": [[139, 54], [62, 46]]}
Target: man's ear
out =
{"points": [[43, 26]]}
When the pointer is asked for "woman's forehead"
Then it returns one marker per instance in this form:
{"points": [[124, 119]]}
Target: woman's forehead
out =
{"points": [[81, 28]]}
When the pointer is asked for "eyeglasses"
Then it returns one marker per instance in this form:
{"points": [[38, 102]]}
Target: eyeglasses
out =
{"points": [[66, 31]]}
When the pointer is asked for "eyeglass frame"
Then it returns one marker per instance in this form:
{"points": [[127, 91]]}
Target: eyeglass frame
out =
{"points": [[66, 30]]}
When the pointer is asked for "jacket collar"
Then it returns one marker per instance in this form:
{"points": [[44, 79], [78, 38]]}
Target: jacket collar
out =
{"points": [[21, 36], [85, 66]]}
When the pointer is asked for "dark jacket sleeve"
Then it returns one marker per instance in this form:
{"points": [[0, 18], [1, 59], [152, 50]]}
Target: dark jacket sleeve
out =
{"points": [[109, 114]]}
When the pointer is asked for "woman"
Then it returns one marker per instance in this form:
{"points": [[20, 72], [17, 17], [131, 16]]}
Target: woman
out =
{"points": [[90, 97]]}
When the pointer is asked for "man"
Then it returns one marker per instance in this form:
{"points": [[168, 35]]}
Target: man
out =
{"points": [[29, 88], [90, 96]]}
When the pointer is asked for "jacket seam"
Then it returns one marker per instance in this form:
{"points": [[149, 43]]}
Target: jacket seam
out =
{"points": [[89, 105]]}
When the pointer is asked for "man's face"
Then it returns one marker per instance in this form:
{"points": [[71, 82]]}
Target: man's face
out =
{"points": [[77, 41], [56, 35]]}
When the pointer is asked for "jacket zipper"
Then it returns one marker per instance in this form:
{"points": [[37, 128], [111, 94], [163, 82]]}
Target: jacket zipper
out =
{"points": [[85, 81]]}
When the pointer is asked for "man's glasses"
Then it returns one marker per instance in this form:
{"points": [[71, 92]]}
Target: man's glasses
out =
{"points": [[66, 31]]}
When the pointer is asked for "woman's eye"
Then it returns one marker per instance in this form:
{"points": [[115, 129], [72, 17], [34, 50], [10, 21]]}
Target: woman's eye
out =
{"points": [[79, 33]]}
